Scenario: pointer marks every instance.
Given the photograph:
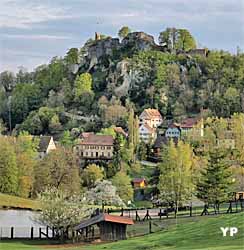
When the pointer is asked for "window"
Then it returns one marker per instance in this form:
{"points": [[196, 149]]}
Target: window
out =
{"points": [[108, 147], [96, 154], [86, 153], [91, 154], [102, 154], [108, 154]]}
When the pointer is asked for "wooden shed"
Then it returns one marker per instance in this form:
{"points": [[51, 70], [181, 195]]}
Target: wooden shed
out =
{"points": [[111, 227]]}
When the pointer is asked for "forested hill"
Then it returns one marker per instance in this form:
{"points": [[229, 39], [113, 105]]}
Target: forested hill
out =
{"points": [[94, 86]]}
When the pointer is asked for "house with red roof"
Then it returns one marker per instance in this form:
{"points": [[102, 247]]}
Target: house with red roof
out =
{"points": [[139, 183], [189, 123], [152, 117], [95, 147], [147, 133]]}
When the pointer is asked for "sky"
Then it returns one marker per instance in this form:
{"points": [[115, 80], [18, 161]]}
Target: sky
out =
{"points": [[34, 31]]}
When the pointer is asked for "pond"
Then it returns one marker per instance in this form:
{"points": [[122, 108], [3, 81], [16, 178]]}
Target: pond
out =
{"points": [[21, 220]]}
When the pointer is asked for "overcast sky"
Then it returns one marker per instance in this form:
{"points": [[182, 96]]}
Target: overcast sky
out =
{"points": [[33, 31]]}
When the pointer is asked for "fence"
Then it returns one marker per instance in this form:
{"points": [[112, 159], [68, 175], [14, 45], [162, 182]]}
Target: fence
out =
{"points": [[26, 233], [187, 211], [146, 221]]}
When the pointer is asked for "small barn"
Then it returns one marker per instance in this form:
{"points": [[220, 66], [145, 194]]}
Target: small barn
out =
{"points": [[139, 183], [111, 227]]}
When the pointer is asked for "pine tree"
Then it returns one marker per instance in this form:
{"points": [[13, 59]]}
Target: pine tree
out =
{"points": [[216, 182]]}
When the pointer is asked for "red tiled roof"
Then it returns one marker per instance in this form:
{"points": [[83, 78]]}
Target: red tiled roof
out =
{"points": [[120, 130], [153, 113], [150, 129], [138, 180], [104, 217], [174, 125], [104, 140], [118, 219], [189, 122], [86, 134]]}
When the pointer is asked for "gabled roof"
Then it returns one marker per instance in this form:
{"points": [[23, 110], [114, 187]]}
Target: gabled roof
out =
{"points": [[44, 143], [189, 122], [120, 130], [163, 140], [104, 217], [86, 134], [151, 113], [138, 180], [103, 140], [150, 129], [174, 125]]}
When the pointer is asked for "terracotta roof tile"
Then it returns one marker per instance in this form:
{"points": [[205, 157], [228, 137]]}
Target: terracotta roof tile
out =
{"points": [[152, 113], [104, 140], [138, 180], [189, 122]]}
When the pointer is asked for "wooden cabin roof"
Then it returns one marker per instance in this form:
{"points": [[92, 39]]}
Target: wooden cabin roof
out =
{"points": [[104, 217], [138, 180]]}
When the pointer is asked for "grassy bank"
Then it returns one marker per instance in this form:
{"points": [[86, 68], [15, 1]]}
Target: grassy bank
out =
{"points": [[202, 234], [9, 201]]}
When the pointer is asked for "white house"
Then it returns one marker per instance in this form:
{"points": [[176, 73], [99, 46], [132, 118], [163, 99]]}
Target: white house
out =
{"points": [[173, 131], [147, 133], [151, 117], [46, 145]]}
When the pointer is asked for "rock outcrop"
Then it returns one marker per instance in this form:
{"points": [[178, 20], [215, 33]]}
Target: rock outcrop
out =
{"points": [[139, 41]]}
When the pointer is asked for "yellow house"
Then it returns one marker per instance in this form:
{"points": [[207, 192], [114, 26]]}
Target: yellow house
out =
{"points": [[139, 183]]}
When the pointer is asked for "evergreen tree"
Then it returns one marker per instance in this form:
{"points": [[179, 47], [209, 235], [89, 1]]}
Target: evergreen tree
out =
{"points": [[215, 185], [142, 151], [66, 139]]}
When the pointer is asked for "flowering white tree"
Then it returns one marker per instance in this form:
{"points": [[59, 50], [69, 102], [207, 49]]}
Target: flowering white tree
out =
{"points": [[104, 193], [60, 210]]}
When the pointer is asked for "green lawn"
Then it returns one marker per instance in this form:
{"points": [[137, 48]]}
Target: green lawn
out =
{"points": [[202, 234], [10, 201]]}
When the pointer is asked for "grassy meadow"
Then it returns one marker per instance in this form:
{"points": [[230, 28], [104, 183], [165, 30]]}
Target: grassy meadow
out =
{"points": [[201, 233]]}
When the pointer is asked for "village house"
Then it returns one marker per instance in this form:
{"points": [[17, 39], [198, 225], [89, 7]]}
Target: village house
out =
{"points": [[151, 117], [189, 123], [147, 133], [94, 146], [139, 183], [46, 145], [162, 141], [173, 131]]}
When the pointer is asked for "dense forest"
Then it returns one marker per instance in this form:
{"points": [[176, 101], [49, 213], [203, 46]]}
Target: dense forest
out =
{"points": [[94, 86]]}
